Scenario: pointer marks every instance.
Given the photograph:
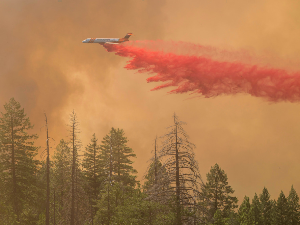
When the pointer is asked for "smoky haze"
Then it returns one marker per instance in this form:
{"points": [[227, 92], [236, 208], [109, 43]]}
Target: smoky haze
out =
{"points": [[47, 69]]}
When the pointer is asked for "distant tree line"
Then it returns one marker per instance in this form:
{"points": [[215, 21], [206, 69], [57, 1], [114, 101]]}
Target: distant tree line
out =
{"points": [[98, 185]]}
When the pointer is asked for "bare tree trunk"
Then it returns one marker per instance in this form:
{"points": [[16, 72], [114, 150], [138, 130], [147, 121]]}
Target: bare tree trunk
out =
{"points": [[178, 211], [182, 178], [48, 179], [73, 178], [95, 191]]}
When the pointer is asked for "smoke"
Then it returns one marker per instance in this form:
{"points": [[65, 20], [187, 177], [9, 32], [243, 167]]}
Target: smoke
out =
{"points": [[208, 71]]}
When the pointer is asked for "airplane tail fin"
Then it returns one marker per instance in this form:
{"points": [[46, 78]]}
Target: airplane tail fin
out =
{"points": [[128, 35]]}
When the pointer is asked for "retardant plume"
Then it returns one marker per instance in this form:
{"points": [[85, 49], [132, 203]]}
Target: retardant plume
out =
{"points": [[207, 73]]}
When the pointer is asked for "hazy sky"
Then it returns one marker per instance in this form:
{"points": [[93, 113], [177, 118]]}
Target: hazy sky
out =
{"points": [[45, 66]]}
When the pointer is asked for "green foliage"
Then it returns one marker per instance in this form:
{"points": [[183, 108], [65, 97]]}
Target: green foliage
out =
{"points": [[137, 210], [93, 173], [17, 160], [107, 203], [266, 207], [256, 210], [118, 164], [156, 186], [61, 181], [245, 212], [217, 194], [111, 193], [218, 218], [273, 219], [150, 178], [294, 208], [282, 210], [118, 178]]}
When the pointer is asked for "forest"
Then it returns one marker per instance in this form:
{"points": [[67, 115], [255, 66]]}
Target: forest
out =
{"points": [[101, 187]]}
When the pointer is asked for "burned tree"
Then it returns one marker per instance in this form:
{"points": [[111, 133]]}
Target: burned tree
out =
{"points": [[48, 178], [183, 173], [75, 146]]}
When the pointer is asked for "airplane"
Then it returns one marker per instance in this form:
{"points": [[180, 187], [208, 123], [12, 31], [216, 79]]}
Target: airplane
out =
{"points": [[103, 41]]}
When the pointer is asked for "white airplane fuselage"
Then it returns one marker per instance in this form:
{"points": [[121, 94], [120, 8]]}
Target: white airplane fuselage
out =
{"points": [[103, 41]]}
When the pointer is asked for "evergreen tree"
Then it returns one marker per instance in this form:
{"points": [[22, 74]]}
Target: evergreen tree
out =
{"points": [[152, 171], [294, 208], [217, 194], [219, 219], [266, 207], [93, 172], [152, 177], [256, 210], [122, 165], [273, 220], [156, 180], [118, 172], [17, 159], [61, 183], [245, 213], [115, 156], [282, 210]]}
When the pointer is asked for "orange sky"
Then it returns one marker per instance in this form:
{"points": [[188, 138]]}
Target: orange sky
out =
{"points": [[45, 67]]}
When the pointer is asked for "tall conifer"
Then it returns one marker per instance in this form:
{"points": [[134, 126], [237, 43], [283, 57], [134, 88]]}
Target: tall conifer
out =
{"points": [[17, 158]]}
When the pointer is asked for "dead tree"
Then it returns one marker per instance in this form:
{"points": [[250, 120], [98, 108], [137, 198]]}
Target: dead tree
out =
{"points": [[184, 178], [48, 178], [76, 171]]}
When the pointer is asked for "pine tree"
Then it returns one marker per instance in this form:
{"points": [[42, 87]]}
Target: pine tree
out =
{"points": [[217, 194], [115, 156], [294, 208], [93, 173], [118, 172], [245, 213], [282, 210], [152, 176], [156, 179], [266, 207], [256, 210], [156, 182], [61, 182], [273, 220], [122, 165], [219, 219], [178, 160], [17, 159], [137, 210]]}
